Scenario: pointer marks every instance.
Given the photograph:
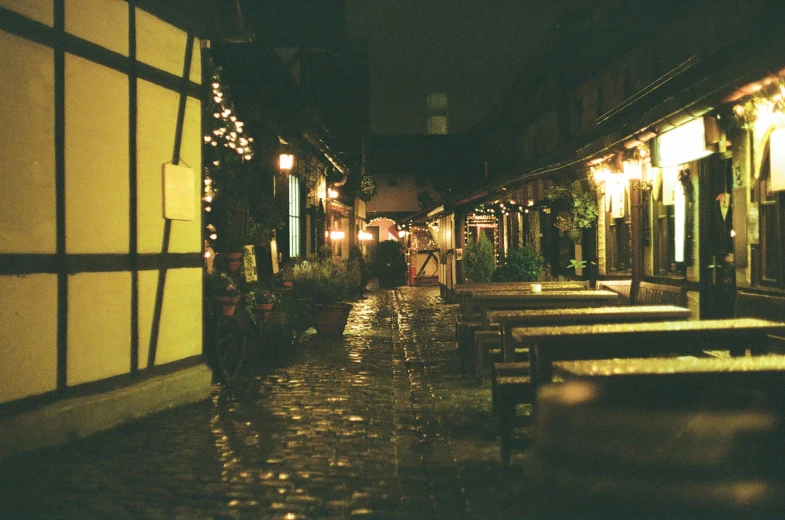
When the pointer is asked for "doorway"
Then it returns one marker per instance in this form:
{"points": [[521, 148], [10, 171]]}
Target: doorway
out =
{"points": [[717, 270]]}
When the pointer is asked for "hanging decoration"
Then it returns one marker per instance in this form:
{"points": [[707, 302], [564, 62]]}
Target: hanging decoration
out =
{"points": [[768, 99], [367, 186], [226, 147]]}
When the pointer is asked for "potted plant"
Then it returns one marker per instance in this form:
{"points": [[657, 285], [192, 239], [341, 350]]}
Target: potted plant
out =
{"points": [[260, 299], [327, 283], [221, 287], [522, 264]]}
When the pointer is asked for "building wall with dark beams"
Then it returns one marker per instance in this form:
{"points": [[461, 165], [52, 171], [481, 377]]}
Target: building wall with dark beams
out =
{"points": [[95, 285]]}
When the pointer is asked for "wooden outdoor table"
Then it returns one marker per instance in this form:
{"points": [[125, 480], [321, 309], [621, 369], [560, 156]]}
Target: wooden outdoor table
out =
{"points": [[638, 340], [505, 300], [467, 292], [493, 300], [507, 320], [681, 435]]}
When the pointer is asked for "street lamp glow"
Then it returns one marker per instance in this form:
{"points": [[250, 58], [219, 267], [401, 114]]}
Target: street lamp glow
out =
{"points": [[286, 161], [337, 235], [332, 194], [364, 235]]}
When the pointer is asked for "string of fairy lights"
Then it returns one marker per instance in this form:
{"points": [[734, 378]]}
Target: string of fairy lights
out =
{"points": [[225, 146]]}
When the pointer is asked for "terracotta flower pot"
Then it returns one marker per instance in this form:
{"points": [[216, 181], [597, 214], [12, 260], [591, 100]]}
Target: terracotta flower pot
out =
{"points": [[330, 318], [234, 261], [265, 309], [229, 304]]}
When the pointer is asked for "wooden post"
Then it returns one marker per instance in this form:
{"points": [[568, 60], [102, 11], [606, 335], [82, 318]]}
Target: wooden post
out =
{"points": [[636, 230]]}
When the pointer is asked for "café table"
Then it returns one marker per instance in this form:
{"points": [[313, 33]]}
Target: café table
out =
{"points": [[640, 340]]}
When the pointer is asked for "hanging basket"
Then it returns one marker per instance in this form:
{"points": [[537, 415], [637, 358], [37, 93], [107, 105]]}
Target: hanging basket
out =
{"points": [[575, 235]]}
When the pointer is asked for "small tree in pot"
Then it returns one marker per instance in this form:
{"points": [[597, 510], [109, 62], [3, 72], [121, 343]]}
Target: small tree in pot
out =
{"points": [[327, 283]]}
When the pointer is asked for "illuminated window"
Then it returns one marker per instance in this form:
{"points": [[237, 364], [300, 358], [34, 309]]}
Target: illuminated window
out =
{"points": [[294, 216], [668, 224]]}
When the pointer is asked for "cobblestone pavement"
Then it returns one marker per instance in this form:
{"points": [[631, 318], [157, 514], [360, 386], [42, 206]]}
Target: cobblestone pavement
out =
{"points": [[377, 425]]}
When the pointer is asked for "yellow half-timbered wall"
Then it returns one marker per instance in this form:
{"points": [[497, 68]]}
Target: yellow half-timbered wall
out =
{"points": [[82, 245]]}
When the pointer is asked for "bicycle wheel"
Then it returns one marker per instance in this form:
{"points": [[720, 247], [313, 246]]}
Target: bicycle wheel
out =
{"points": [[230, 344]]}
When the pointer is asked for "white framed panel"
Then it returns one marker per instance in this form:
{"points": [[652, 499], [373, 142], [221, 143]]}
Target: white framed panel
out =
{"points": [[180, 331], [38, 10], [96, 158], [27, 163], [99, 326], [103, 22], [28, 357]]}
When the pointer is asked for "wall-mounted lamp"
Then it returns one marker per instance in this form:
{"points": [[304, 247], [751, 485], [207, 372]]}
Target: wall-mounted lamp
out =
{"points": [[337, 235], [285, 161], [633, 170], [332, 194], [364, 236]]}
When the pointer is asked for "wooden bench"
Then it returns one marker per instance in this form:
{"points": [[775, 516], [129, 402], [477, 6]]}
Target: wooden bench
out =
{"points": [[765, 306], [620, 287], [661, 294], [649, 293]]}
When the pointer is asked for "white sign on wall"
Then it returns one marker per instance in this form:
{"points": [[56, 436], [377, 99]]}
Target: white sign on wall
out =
{"points": [[179, 185], [777, 157]]}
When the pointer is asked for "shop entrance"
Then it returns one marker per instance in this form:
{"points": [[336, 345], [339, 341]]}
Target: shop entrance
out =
{"points": [[717, 271]]}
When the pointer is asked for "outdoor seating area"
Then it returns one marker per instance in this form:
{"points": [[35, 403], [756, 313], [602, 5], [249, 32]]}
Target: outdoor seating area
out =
{"points": [[526, 341]]}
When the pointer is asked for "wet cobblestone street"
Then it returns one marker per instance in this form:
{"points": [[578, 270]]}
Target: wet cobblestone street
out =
{"points": [[377, 425]]}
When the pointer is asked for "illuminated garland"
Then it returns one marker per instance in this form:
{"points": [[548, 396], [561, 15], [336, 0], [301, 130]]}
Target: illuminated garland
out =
{"points": [[226, 147], [771, 98]]}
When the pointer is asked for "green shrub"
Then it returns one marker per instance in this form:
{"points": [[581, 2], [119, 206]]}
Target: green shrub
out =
{"points": [[478, 261], [522, 264], [325, 281]]}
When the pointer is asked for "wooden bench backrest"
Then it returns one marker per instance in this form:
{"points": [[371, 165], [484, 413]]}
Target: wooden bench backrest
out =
{"points": [[621, 287], [661, 294], [755, 305]]}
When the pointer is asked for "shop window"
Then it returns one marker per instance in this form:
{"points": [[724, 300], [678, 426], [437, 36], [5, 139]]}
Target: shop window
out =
{"points": [[294, 216], [667, 260], [618, 240], [619, 258]]}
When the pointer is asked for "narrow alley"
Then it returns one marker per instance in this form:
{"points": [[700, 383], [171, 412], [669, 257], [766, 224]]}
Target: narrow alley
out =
{"points": [[377, 425]]}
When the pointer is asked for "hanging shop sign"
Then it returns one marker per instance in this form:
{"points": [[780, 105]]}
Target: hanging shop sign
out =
{"points": [[777, 158], [683, 144]]}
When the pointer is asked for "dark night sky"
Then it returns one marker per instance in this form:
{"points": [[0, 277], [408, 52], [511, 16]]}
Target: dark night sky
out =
{"points": [[471, 49]]}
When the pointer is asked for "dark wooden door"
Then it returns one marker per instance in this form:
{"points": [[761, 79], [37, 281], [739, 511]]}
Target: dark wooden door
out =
{"points": [[717, 271]]}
